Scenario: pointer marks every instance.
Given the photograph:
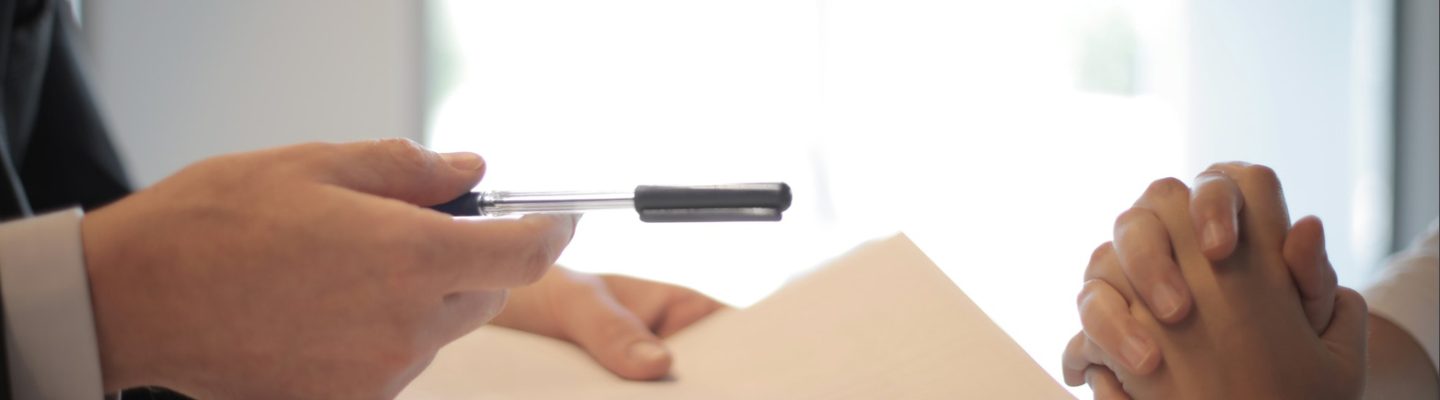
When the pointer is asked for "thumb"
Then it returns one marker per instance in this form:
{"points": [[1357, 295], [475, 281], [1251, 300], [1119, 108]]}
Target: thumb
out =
{"points": [[1304, 253], [401, 169], [1346, 335], [616, 338]]}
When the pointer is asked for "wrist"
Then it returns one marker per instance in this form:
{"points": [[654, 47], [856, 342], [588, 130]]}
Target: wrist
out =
{"points": [[123, 352]]}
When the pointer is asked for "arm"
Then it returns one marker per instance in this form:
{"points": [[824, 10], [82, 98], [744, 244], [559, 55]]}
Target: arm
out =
{"points": [[1398, 367], [54, 141], [1404, 319]]}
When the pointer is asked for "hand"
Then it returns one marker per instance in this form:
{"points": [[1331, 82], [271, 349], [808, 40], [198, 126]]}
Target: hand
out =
{"points": [[309, 271], [1250, 336], [1142, 250], [617, 320], [1217, 204]]}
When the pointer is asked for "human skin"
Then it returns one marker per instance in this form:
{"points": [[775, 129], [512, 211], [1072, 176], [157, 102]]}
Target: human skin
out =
{"points": [[309, 271], [1252, 331], [618, 320], [1396, 368]]}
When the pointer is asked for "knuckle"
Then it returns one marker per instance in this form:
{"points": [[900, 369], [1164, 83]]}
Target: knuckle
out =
{"points": [[535, 264], [1102, 253], [1166, 188], [1101, 265], [308, 150], [1129, 217], [1226, 165], [397, 143], [1262, 175], [1085, 300], [1259, 171], [1210, 174], [1211, 188], [405, 153], [315, 147]]}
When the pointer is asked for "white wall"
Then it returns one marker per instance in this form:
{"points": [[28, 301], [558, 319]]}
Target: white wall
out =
{"points": [[184, 80]]}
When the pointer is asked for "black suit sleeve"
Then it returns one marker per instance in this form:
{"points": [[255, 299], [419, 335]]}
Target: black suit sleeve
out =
{"points": [[53, 144], [69, 159]]}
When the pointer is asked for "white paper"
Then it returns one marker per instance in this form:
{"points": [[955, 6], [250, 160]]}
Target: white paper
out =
{"points": [[879, 322]]}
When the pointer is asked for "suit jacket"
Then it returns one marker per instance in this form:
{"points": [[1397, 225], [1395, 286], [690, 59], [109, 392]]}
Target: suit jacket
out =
{"points": [[54, 149]]}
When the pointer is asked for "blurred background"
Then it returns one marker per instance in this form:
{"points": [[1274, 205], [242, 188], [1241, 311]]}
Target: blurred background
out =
{"points": [[1003, 137]]}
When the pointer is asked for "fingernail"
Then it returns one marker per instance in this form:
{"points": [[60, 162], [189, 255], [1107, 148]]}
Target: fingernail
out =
{"points": [[1167, 301], [1214, 233], [1136, 351], [463, 160], [648, 352]]}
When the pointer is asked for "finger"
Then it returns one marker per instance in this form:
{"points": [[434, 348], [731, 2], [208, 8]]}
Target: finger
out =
{"points": [[498, 253], [1310, 268], [666, 308], [1108, 322], [1215, 205], [1103, 382], [1082, 354], [686, 309], [1265, 218], [1142, 246], [1348, 329], [1104, 265], [1077, 358], [614, 336], [463, 312], [1347, 336], [1169, 201], [399, 169]]}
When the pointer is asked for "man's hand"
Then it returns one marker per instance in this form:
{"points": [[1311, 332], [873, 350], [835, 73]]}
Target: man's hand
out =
{"points": [[311, 271], [618, 320], [1258, 328]]}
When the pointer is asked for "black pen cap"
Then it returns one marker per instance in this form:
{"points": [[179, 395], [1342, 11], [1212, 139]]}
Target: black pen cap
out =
{"points": [[736, 202]]}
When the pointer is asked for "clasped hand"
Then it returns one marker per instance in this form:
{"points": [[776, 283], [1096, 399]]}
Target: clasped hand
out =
{"points": [[1210, 293]]}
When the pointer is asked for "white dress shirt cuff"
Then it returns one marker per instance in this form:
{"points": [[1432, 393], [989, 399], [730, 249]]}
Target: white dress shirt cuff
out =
{"points": [[49, 322]]}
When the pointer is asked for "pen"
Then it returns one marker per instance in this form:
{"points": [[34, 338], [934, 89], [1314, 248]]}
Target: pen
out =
{"points": [[711, 203]]}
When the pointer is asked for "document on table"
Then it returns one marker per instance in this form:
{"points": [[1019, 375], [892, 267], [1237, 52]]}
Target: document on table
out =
{"points": [[879, 322]]}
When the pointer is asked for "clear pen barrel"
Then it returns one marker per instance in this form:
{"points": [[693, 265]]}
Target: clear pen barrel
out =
{"points": [[503, 203]]}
